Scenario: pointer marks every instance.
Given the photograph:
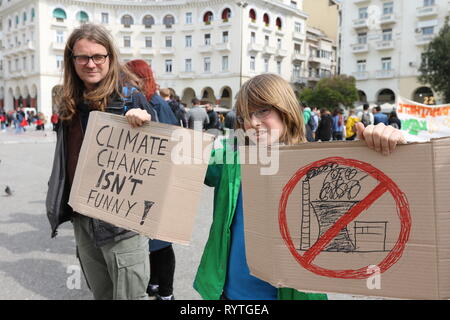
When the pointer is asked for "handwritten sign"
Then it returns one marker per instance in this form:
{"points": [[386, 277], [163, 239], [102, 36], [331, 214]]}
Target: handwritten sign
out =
{"points": [[422, 122], [127, 177]]}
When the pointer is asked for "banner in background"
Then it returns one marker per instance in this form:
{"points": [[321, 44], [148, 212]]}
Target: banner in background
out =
{"points": [[422, 122]]}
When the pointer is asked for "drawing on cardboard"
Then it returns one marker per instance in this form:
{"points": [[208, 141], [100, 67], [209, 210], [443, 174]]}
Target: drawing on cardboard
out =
{"points": [[339, 191]]}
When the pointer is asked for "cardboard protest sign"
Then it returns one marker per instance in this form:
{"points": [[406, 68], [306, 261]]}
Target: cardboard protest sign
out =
{"points": [[147, 179], [422, 122], [339, 217]]}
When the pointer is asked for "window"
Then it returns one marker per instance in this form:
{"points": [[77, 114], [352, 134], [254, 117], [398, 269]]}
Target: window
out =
{"points": [[224, 63], [253, 37], [127, 21], [59, 14], [207, 64], [208, 17], [279, 43], [225, 37], [32, 62], [363, 13], [82, 17], [24, 63], [60, 36], [386, 64], [148, 42], [266, 19], [266, 65], [388, 8], [387, 34], [188, 65], [252, 15], [428, 30], [297, 48], [17, 21], [188, 41], [266, 40], [279, 23], [168, 64], [168, 21], [297, 69], [298, 27], [188, 18], [279, 67], [168, 42], [24, 18], [17, 64], [148, 21], [59, 62], [9, 66], [294, 4], [361, 65], [33, 14], [226, 14], [252, 63], [105, 18], [362, 38], [427, 3], [207, 39], [127, 41]]}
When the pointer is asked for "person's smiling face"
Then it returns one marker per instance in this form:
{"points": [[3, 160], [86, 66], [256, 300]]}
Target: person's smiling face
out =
{"points": [[264, 126], [90, 73]]}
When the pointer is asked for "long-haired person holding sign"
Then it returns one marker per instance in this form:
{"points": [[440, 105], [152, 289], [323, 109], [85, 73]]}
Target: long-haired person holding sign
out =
{"points": [[114, 260]]}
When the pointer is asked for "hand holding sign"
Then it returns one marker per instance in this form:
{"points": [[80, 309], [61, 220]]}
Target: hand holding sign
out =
{"points": [[137, 117], [382, 138]]}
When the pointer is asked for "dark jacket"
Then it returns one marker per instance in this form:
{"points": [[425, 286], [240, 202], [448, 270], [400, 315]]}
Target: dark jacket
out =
{"points": [[165, 114], [58, 209], [325, 129]]}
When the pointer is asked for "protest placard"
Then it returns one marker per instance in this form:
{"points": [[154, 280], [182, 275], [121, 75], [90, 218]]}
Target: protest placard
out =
{"points": [[339, 217], [147, 179]]}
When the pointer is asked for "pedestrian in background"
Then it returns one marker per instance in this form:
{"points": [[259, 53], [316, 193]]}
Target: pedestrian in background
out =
{"points": [[379, 117], [338, 124], [325, 128], [394, 121], [114, 260], [197, 117], [350, 125]]}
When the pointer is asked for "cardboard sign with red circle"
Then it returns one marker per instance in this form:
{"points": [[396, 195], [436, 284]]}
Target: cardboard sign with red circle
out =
{"points": [[385, 185]]}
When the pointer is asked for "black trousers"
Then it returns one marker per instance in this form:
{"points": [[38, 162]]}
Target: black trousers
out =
{"points": [[162, 270]]}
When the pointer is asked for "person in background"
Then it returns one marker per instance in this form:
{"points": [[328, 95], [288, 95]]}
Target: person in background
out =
{"points": [[230, 120], [394, 121], [379, 117], [338, 124], [366, 116], [175, 106], [325, 128], [214, 122], [350, 125], [142, 70], [114, 260], [197, 117]]}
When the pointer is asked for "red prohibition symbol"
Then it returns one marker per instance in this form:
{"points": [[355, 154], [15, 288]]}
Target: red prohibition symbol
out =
{"points": [[385, 185]]}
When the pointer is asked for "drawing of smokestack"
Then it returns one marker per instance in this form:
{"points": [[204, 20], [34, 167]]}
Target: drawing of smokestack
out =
{"points": [[305, 238]]}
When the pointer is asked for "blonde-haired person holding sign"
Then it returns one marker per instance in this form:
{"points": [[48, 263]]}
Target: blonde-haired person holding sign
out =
{"points": [[114, 260]]}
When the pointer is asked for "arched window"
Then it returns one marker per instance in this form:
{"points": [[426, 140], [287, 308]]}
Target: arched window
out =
{"points": [[424, 95], [266, 19], [208, 17], [148, 21], [386, 96], [82, 17], [59, 14], [226, 14], [127, 21], [362, 96], [252, 15], [168, 21], [279, 23]]}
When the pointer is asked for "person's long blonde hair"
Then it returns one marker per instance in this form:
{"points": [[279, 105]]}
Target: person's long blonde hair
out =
{"points": [[73, 91], [272, 90]]}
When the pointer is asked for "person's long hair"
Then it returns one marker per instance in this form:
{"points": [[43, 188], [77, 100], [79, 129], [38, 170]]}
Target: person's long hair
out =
{"points": [[74, 92], [272, 90], [144, 72]]}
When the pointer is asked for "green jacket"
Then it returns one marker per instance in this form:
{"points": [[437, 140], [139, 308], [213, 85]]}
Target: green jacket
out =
{"points": [[212, 271]]}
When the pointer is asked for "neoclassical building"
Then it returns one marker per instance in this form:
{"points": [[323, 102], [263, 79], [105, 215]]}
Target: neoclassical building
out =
{"points": [[203, 49], [381, 46]]}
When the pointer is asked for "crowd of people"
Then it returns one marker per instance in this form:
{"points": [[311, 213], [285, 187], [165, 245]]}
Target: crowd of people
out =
{"points": [[21, 120], [121, 264], [326, 126]]}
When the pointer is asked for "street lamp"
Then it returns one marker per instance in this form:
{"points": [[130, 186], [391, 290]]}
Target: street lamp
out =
{"points": [[243, 5]]}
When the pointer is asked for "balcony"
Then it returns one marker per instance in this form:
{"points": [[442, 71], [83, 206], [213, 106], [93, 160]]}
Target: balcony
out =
{"points": [[187, 75], [428, 11], [167, 51], [207, 48], [360, 48], [360, 23], [315, 59], [255, 47], [385, 45], [148, 51], [270, 51], [424, 39], [388, 19], [360, 76], [223, 46], [299, 57], [281, 53], [57, 46], [126, 50], [385, 74], [298, 36], [360, 1]]}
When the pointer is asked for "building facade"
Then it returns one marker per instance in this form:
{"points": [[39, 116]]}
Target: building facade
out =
{"points": [[203, 49], [381, 46]]}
